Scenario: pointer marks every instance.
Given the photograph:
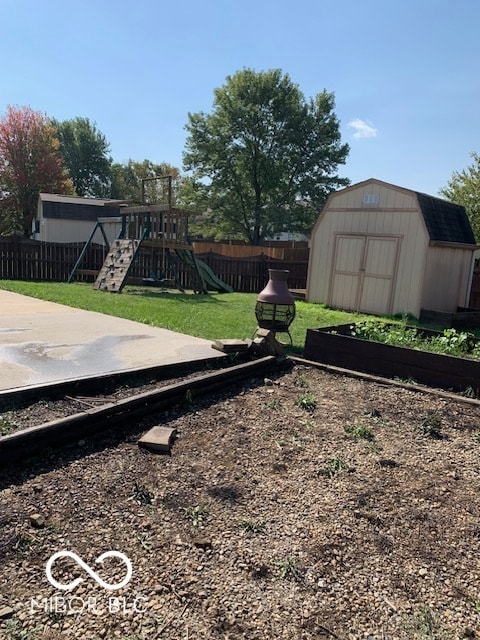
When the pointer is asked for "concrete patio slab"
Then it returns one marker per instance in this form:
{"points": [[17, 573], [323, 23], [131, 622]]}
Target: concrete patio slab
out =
{"points": [[42, 342]]}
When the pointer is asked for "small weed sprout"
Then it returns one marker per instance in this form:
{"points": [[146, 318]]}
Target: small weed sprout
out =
{"points": [[141, 494], [405, 380], [373, 448], [431, 426], [333, 466], [252, 527], [15, 632], [424, 625], [476, 436], [307, 401], [274, 404], [24, 541], [196, 514], [359, 431], [289, 569], [301, 381], [144, 541], [6, 426]]}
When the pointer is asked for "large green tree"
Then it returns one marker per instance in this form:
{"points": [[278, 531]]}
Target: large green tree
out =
{"points": [[265, 158], [464, 188], [86, 154], [144, 181], [30, 162]]}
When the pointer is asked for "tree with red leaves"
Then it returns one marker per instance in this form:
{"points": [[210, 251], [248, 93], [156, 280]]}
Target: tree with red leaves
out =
{"points": [[30, 162]]}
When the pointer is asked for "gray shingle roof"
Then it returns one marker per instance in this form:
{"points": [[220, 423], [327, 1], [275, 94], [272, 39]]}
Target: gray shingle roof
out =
{"points": [[445, 221]]}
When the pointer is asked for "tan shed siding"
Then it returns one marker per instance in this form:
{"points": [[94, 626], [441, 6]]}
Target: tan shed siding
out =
{"points": [[341, 218], [446, 278]]}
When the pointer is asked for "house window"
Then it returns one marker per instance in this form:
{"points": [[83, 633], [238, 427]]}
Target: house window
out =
{"points": [[371, 198]]}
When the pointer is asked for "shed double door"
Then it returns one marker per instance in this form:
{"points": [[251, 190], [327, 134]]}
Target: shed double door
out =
{"points": [[363, 273]]}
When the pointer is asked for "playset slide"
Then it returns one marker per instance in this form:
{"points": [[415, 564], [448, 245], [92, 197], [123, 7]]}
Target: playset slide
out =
{"points": [[209, 277]]}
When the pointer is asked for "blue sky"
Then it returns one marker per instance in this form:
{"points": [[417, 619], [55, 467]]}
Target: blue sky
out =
{"points": [[405, 73]]}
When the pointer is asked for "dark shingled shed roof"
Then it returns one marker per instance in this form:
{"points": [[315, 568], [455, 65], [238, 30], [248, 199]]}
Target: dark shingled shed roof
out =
{"points": [[445, 221]]}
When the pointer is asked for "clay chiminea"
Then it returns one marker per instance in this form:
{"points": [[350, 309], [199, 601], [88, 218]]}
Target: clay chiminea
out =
{"points": [[275, 308]]}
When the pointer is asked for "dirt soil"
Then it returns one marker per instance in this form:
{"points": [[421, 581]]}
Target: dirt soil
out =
{"points": [[310, 505]]}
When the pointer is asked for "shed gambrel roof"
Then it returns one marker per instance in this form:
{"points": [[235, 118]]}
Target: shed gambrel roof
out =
{"points": [[445, 221]]}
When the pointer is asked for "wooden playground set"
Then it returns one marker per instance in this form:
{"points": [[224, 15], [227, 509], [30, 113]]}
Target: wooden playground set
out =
{"points": [[161, 228]]}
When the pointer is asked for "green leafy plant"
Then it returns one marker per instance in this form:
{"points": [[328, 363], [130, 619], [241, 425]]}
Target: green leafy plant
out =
{"points": [[360, 431], [252, 527], [290, 569], [144, 541], [449, 342], [476, 605], [301, 381], [373, 448], [6, 426], [15, 632], [274, 404], [431, 426], [307, 401], [196, 514], [333, 466]]}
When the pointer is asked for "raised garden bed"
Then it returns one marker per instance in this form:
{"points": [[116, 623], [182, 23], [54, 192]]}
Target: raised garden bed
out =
{"points": [[463, 318], [337, 345]]}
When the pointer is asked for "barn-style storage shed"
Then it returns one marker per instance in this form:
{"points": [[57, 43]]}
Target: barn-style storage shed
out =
{"points": [[383, 249]]}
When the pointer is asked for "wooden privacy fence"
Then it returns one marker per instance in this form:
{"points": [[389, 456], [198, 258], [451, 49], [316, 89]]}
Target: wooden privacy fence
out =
{"points": [[251, 274], [277, 250], [23, 259], [475, 290]]}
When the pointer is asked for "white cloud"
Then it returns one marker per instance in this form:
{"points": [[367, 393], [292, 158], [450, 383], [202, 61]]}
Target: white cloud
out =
{"points": [[362, 129]]}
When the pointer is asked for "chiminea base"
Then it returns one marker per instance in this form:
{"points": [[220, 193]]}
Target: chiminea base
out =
{"points": [[277, 318], [275, 308]]}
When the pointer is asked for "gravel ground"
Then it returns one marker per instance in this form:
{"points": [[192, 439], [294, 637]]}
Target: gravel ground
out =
{"points": [[307, 506]]}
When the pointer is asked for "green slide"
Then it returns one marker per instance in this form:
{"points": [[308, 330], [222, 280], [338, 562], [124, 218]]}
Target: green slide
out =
{"points": [[209, 277]]}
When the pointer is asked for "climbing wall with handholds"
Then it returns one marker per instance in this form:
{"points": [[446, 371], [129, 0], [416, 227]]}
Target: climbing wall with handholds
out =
{"points": [[113, 275]]}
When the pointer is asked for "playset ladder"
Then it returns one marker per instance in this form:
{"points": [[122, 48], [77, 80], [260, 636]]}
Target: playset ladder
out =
{"points": [[113, 275]]}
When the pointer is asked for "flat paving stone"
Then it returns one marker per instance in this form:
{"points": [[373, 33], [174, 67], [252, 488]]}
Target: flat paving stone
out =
{"points": [[158, 439]]}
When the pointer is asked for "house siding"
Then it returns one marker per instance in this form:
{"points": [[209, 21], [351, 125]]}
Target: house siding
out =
{"points": [[55, 230], [68, 219]]}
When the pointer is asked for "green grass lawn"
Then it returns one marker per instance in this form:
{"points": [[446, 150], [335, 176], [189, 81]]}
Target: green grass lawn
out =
{"points": [[211, 316]]}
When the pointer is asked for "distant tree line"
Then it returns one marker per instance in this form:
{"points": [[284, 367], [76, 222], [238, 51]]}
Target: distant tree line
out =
{"points": [[40, 154], [261, 162]]}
